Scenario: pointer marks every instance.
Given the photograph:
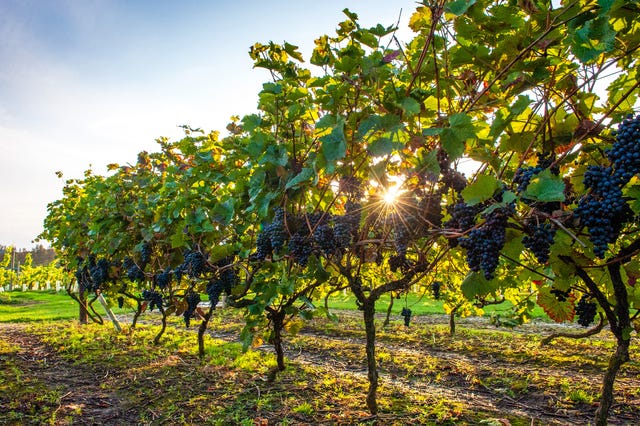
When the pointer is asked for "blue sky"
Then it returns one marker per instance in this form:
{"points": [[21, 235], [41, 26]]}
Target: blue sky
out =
{"points": [[91, 82]]}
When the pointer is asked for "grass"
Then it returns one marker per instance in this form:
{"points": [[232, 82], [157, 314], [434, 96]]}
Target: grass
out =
{"points": [[421, 305], [479, 376], [18, 306]]}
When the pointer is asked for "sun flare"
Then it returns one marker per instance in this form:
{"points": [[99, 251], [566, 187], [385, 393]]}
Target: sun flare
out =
{"points": [[391, 194]]}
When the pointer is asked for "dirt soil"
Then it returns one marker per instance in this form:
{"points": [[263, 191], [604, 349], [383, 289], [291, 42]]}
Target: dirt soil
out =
{"points": [[460, 376]]}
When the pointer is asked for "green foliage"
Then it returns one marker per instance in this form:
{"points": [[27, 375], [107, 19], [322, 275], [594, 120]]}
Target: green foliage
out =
{"points": [[507, 84]]}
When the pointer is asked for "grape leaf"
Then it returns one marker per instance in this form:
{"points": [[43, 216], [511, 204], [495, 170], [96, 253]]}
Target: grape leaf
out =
{"points": [[475, 284], [545, 187], [557, 311], [481, 190]]}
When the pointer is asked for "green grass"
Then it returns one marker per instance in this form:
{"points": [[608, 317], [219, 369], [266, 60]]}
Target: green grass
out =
{"points": [[421, 305], [18, 306]]}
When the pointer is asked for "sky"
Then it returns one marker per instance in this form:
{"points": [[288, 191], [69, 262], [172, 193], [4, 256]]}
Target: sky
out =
{"points": [[85, 83]]}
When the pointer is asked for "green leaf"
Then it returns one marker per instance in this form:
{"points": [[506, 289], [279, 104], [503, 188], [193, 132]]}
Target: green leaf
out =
{"points": [[293, 51], [475, 284], [481, 190], [373, 122], [596, 36], [273, 88], [545, 187], [410, 106], [334, 145], [459, 7], [380, 147], [304, 175]]}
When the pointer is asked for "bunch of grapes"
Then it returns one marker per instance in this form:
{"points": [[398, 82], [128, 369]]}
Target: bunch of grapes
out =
{"points": [[277, 230], [120, 302], [625, 152], [192, 299], [586, 310], [483, 244], [406, 313], [145, 253], [195, 263], [263, 246], [402, 238], [351, 186], [397, 262], [540, 241], [324, 239], [99, 272], [214, 290], [83, 278], [603, 210], [524, 175], [561, 296], [133, 270], [453, 179], [300, 248], [154, 298], [163, 278], [435, 289], [463, 218]]}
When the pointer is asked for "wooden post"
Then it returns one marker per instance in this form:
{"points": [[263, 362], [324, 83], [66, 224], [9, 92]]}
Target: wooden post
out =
{"points": [[112, 317]]}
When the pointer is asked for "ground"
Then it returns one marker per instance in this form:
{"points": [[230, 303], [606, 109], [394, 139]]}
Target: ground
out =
{"points": [[70, 374]]}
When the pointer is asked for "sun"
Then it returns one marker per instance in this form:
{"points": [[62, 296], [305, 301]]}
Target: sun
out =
{"points": [[391, 194]]}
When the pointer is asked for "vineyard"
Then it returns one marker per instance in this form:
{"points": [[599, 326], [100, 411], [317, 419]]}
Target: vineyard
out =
{"points": [[493, 159]]}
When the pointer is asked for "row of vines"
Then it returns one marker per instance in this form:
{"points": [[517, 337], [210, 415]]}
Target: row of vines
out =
{"points": [[28, 274], [351, 176]]}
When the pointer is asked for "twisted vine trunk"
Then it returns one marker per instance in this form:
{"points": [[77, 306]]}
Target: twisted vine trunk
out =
{"points": [[369, 310], [606, 398], [156, 340], [202, 329], [278, 325]]}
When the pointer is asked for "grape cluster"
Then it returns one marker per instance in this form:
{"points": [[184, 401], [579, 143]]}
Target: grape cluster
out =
{"points": [[397, 262], [561, 296], [214, 290], [300, 248], [402, 237], [154, 298], [324, 237], [454, 179], [303, 235], [406, 313], [134, 273], [145, 253], [195, 264], [163, 279], [83, 278], [120, 302], [435, 289], [351, 186], [99, 272], [263, 246], [463, 218], [192, 298], [540, 240], [524, 175], [483, 244], [603, 210], [625, 152], [586, 310], [450, 178]]}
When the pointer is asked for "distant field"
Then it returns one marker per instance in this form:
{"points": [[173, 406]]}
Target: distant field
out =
{"points": [[420, 305], [18, 306]]}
